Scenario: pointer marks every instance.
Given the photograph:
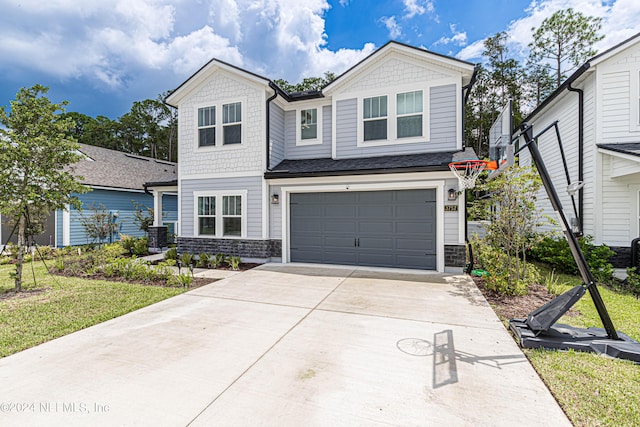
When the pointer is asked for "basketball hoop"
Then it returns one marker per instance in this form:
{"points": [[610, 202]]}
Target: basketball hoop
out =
{"points": [[468, 171]]}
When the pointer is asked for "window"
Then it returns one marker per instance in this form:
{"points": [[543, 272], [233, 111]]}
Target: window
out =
{"points": [[375, 118], [409, 114], [232, 123], [309, 124], [220, 215], [206, 126], [207, 216], [232, 215]]}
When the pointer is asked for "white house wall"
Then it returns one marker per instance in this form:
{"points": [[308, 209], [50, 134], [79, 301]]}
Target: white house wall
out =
{"points": [[223, 87], [619, 205], [566, 113]]}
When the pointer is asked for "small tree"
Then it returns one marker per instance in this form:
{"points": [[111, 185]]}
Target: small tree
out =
{"points": [[36, 155], [513, 215], [143, 216], [98, 223]]}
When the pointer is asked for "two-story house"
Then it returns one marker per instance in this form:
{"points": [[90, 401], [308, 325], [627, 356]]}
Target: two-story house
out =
{"points": [[356, 173], [598, 114]]}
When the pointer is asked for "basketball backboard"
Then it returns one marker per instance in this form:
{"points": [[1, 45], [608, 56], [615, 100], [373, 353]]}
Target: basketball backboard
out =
{"points": [[501, 150]]}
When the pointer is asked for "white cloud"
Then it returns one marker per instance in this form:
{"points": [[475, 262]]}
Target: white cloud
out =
{"points": [[417, 7], [458, 38], [395, 30], [619, 22]]}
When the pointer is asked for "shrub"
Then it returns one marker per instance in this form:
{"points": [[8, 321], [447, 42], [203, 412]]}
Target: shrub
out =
{"points": [[501, 278], [218, 260], [184, 280], [127, 242], [203, 260], [234, 262], [141, 246], [633, 280], [186, 259], [171, 254], [556, 253]]}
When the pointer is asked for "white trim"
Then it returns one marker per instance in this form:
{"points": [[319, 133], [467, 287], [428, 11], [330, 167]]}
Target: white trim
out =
{"points": [[462, 202], [126, 190], [219, 217], [66, 226], [185, 176], [318, 139], [266, 200], [285, 198], [625, 156], [351, 179]]}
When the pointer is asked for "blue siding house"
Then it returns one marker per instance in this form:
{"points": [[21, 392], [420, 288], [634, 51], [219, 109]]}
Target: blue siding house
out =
{"points": [[117, 181]]}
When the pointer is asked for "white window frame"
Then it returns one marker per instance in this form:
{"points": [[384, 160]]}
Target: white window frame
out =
{"points": [[419, 113], [219, 213], [392, 116], [318, 139], [198, 127], [219, 105]]}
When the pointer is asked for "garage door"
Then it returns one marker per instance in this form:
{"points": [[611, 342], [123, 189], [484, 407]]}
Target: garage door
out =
{"points": [[372, 228]]}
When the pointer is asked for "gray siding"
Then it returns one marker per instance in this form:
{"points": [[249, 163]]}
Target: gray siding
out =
{"points": [[253, 185], [442, 108], [347, 128], [275, 214], [442, 128], [276, 138], [317, 151]]}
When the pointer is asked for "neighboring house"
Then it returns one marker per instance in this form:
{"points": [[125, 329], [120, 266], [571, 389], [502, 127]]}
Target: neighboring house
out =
{"points": [[598, 114], [117, 181], [356, 173]]}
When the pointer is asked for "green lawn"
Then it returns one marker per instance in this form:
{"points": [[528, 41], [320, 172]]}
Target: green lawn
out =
{"points": [[62, 305], [595, 390]]}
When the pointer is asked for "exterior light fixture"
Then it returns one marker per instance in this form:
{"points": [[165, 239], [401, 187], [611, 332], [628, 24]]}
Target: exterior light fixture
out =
{"points": [[453, 194], [275, 199]]}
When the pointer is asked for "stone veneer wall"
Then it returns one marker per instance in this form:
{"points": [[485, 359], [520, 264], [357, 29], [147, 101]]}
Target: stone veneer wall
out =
{"points": [[241, 247], [455, 255]]}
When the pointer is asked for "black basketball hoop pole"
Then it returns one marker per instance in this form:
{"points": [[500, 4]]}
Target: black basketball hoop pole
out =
{"points": [[589, 282]]}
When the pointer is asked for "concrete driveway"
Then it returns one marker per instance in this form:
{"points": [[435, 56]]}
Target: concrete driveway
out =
{"points": [[288, 345]]}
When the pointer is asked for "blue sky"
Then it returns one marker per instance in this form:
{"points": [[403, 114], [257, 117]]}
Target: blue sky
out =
{"points": [[101, 55]]}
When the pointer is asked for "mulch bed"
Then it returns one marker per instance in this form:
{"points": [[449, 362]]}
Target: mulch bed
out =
{"points": [[517, 307]]}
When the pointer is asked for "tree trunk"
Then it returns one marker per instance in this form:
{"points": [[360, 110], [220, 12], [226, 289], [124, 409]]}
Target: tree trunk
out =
{"points": [[21, 247]]}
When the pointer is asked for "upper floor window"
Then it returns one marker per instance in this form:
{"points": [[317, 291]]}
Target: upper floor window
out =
{"points": [[309, 124], [232, 123], [409, 114], [220, 123], [206, 126], [375, 118]]}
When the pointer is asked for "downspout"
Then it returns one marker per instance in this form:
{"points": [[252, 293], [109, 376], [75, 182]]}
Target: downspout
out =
{"points": [[276, 89], [466, 92], [580, 153]]}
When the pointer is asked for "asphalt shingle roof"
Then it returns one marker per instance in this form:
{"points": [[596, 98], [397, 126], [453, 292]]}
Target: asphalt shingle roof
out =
{"points": [[632, 148], [115, 169], [424, 162]]}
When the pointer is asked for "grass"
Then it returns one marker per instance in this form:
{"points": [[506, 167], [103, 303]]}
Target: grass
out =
{"points": [[595, 390], [54, 306]]}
